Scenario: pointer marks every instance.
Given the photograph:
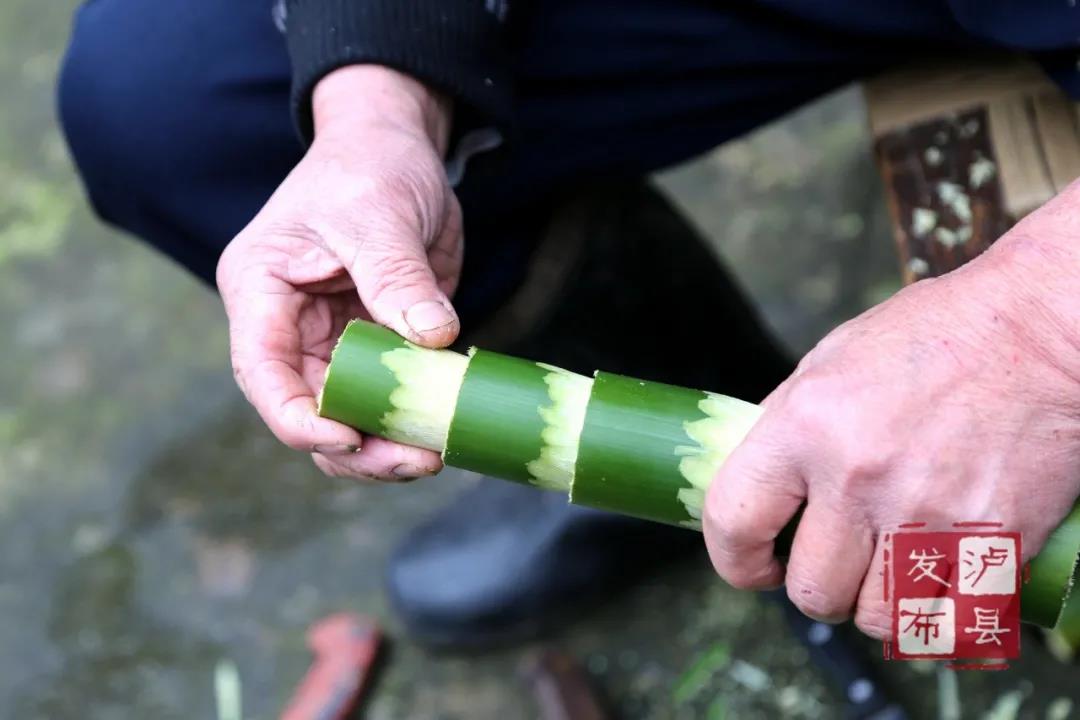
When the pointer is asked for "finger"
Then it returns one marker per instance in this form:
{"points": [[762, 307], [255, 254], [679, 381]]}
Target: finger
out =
{"points": [[397, 285], [873, 613], [287, 405], [382, 460], [329, 467], [755, 494], [320, 329], [828, 562], [268, 363]]}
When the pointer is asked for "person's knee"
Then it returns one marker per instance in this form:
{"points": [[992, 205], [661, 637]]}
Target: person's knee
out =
{"points": [[107, 115], [130, 108], [177, 115]]}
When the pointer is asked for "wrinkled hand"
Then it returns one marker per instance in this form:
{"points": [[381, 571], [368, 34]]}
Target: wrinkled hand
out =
{"points": [[957, 399], [364, 226]]}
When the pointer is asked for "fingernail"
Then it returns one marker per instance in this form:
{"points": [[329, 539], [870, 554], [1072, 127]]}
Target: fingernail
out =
{"points": [[336, 449], [428, 315], [408, 470]]}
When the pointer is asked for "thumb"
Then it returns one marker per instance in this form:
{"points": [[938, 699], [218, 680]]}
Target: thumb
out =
{"points": [[398, 287]]}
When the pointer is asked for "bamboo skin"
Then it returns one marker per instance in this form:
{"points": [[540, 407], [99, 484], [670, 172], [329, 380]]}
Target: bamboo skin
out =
{"points": [[644, 448], [498, 388]]}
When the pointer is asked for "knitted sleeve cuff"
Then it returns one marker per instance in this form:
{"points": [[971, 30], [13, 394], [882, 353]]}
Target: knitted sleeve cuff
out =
{"points": [[453, 45]]}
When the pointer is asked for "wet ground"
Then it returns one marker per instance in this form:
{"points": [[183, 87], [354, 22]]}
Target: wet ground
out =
{"points": [[152, 529]]}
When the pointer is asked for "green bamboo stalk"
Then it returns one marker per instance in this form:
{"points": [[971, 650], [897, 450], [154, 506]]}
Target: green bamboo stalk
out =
{"points": [[650, 449], [1051, 572], [518, 420], [629, 446], [1064, 640], [384, 385]]}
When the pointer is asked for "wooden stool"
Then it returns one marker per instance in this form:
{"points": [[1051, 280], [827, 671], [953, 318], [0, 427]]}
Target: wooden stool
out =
{"points": [[965, 151]]}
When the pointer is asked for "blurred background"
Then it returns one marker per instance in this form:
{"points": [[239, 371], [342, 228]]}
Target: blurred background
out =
{"points": [[151, 529]]}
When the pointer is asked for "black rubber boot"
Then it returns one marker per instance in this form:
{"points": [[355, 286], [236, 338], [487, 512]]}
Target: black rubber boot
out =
{"points": [[500, 564], [622, 283]]}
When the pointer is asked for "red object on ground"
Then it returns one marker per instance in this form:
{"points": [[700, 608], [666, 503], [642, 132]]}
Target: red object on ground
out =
{"points": [[345, 647]]}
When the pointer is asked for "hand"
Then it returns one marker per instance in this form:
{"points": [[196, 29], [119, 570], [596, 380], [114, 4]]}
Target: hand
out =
{"points": [[364, 226], [957, 399]]}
